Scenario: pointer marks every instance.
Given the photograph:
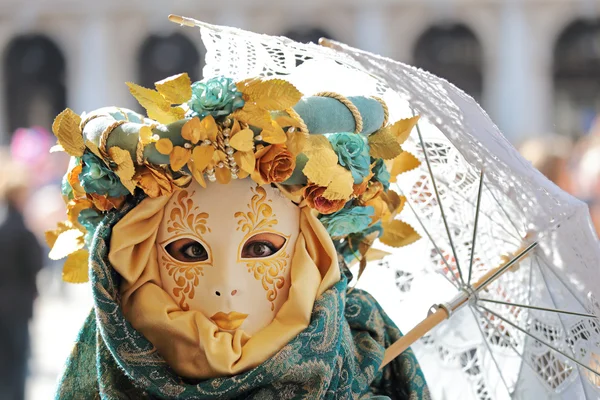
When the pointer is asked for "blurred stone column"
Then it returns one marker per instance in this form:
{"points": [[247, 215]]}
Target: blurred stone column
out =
{"points": [[88, 76], [521, 81], [370, 33], [7, 33]]}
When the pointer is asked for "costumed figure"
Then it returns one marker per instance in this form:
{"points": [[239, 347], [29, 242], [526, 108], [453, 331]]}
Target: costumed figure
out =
{"points": [[216, 233]]}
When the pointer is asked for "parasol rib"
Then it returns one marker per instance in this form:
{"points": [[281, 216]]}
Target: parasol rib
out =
{"points": [[487, 345], [444, 311], [541, 341], [435, 246], [439, 201], [477, 209], [539, 308], [491, 219]]}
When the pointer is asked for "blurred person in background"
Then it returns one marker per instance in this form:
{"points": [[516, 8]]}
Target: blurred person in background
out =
{"points": [[21, 260], [550, 154], [586, 176], [31, 147]]}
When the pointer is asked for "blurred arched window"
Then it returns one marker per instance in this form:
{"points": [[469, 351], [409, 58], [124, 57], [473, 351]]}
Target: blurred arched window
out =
{"points": [[453, 52], [577, 77], [162, 56], [34, 75], [307, 34]]}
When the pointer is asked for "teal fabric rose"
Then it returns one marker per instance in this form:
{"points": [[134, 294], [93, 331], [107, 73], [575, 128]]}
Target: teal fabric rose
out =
{"points": [[347, 221], [353, 153], [90, 219], [348, 248], [96, 177], [381, 173], [217, 97]]}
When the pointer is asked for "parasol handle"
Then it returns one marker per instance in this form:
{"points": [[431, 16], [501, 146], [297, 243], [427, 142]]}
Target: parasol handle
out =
{"points": [[413, 335], [443, 311]]}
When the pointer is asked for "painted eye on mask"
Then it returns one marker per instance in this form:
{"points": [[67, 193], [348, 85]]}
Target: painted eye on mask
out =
{"points": [[187, 250], [263, 245]]}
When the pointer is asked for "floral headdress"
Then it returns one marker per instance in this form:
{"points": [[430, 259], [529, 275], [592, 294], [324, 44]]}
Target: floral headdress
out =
{"points": [[336, 154]]}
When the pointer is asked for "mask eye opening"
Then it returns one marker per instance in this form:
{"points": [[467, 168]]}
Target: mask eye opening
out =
{"points": [[263, 245], [187, 250]]}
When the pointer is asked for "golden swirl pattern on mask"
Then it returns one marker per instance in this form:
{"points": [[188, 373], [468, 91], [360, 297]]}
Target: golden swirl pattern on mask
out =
{"points": [[260, 218], [185, 220], [270, 273], [186, 278], [260, 215]]}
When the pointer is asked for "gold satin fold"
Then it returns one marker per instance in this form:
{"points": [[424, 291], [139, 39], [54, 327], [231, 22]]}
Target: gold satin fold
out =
{"points": [[189, 342]]}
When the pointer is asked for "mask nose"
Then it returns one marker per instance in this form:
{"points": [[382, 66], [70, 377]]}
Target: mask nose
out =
{"points": [[219, 293]]}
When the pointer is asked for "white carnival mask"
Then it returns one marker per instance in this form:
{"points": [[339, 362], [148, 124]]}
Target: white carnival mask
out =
{"points": [[226, 251]]}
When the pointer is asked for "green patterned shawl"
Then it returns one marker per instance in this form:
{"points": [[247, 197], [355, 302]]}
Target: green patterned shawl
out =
{"points": [[336, 357]]}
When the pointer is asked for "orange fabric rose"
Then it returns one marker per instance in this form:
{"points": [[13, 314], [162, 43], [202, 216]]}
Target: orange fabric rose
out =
{"points": [[274, 164], [314, 197], [359, 189]]}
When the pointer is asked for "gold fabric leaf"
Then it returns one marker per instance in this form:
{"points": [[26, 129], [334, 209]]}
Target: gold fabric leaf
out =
{"points": [[94, 149], [125, 168], [75, 269], [175, 89], [196, 173], [74, 208], [241, 85], [273, 94], [52, 235], [394, 202], [341, 187], [164, 146], [157, 107], [375, 254], [192, 130], [246, 160], [209, 128], [253, 115], [321, 166], [273, 134], [153, 181], [322, 163], [295, 142], [384, 145], [146, 135], [316, 143], [403, 163], [398, 233], [66, 242], [202, 156], [66, 129], [402, 129], [150, 99], [243, 140], [174, 114], [285, 121], [179, 157], [223, 175]]}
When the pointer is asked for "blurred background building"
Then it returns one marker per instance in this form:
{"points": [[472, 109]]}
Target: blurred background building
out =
{"points": [[534, 65]]}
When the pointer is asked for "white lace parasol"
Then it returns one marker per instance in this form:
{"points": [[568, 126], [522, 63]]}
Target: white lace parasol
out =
{"points": [[530, 333]]}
